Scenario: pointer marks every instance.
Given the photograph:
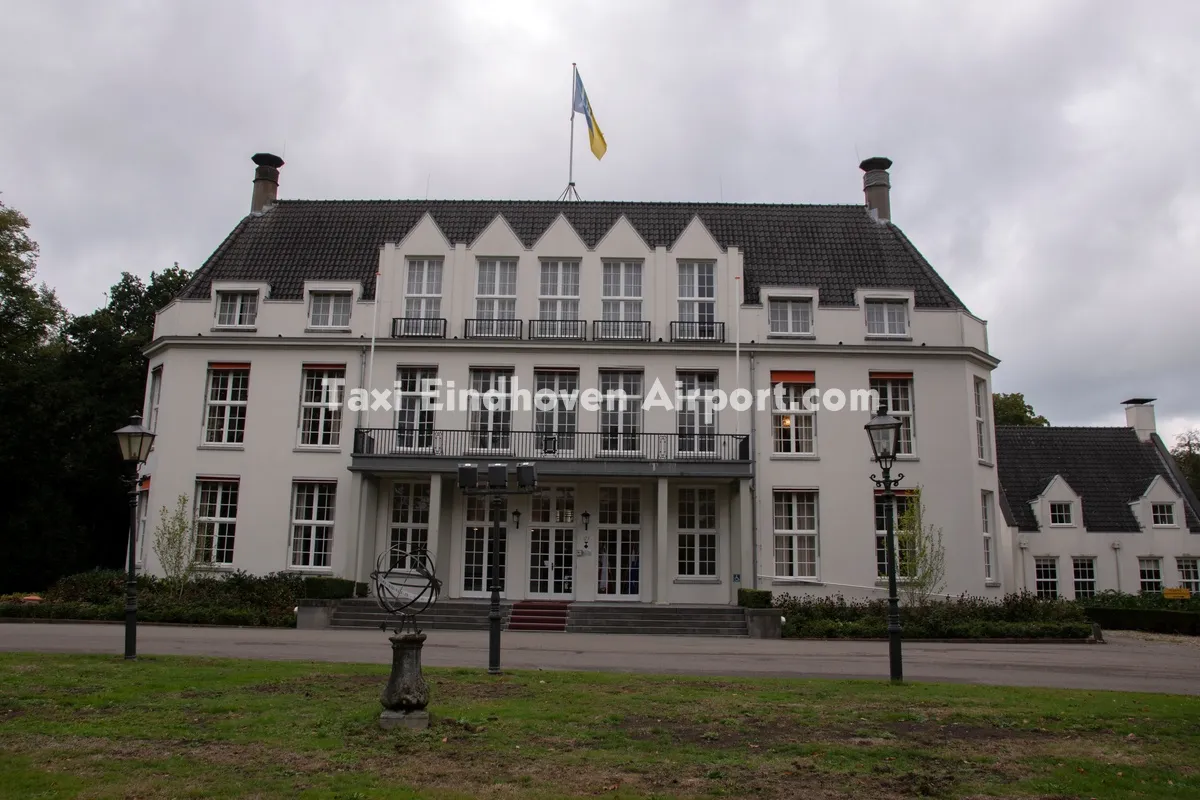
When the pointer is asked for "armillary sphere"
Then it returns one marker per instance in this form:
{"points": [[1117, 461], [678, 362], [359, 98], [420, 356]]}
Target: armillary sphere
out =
{"points": [[405, 584]]}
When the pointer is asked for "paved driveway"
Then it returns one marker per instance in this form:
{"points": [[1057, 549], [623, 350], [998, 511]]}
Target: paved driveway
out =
{"points": [[1125, 663]]}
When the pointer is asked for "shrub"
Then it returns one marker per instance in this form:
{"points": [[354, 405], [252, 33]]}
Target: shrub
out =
{"points": [[1156, 620], [754, 598], [323, 588]]}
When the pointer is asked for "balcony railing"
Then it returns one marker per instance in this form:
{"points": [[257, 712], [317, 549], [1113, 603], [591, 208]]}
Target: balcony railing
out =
{"points": [[604, 330], [493, 328], [418, 328], [577, 445], [557, 329], [697, 331]]}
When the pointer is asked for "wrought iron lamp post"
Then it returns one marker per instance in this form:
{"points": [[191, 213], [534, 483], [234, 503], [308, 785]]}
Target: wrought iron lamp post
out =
{"points": [[884, 431], [135, 442], [496, 489]]}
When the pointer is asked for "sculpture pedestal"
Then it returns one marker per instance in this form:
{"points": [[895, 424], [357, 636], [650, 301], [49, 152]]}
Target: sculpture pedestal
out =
{"points": [[406, 694]]}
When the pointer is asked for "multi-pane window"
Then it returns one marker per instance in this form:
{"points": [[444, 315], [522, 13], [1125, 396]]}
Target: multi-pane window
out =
{"points": [[320, 406], [554, 415], [216, 521], [1189, 573], [1085, 576], [897, 395], [143, 510], [622, 291], [225, 407], [312, 524], [905, 551], [696, 419], [1163, 514], [887, 317], [794, 426], [1150, 575], [1045, 576], [330, 310], [795, 534], [619, 542], [156, 376], [409, 533], [559, 298], [986, 514], [482, 549], [237, 309], [982, 440], [489, 418], [414, 416], [697, 532], [423, 291], [620, 411], [496, 290], [790, 317], [697, 291], [1060, 514]]}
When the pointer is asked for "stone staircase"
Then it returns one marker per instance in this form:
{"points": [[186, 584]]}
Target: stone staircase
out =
{"points": [[661, 620], [538, 615], [445, 614]]}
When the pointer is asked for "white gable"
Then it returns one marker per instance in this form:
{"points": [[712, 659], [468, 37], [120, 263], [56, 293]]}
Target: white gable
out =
{"points": [[622, 241], [1160, 490], [497, 239], [696, 242], [560, 239], [1058, 490], [425, 239]]}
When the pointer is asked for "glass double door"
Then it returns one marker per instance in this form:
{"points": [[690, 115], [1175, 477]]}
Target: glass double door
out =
{"points": [[552, 544]]}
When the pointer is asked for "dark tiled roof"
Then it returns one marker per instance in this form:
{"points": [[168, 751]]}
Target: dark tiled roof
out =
{"points": [[1107, 467], [837, 248]]}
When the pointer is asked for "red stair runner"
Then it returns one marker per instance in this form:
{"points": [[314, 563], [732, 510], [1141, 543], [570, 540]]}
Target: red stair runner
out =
{"points": [[538, 615]]}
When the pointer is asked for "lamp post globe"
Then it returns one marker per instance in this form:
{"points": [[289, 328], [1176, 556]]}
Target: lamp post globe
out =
{"points": [[883, 430], [135, 442]]}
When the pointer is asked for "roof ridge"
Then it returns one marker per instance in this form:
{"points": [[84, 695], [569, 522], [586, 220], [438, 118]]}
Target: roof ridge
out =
{"points": [[565, 203]]}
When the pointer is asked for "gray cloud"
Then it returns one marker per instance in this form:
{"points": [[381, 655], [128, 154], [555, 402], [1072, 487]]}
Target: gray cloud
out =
{"points": [[1040, 148]]}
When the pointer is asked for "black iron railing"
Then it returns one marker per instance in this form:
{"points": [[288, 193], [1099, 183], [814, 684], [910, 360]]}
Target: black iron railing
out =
{"points": [[620, 330], [493, 328], [697, 331], [593, 445], [557, 329], [418, 328]]}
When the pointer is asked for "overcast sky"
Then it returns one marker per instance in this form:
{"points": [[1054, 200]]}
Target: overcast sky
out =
{"points": [[1045, 152]]}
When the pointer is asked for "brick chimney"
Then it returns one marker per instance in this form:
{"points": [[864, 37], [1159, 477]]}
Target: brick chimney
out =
{"points": [[877, 186], [1139, 415], [266, 181]]}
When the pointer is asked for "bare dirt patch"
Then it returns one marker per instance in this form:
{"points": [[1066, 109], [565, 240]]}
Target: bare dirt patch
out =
{"points": [[324, 685]]}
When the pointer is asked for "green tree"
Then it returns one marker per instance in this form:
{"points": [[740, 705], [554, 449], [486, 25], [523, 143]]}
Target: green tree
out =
{"points": [[1187, 456], [1011, 409], [175, 545], [921, 561]]}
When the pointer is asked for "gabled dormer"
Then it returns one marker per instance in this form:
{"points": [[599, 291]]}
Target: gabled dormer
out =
{"points": [[1159, 507], [1058, 506]]}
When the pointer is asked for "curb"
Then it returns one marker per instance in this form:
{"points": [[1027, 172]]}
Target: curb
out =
{"points": [[37, 621], [1088, 640]]}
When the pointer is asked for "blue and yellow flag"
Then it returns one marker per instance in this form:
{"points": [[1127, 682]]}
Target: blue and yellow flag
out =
{"points": [[583, 106]]}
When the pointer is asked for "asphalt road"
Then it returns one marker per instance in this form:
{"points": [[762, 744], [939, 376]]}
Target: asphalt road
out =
{"points": [[1124, 663]]}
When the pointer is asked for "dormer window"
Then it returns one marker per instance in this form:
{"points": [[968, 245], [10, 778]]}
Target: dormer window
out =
{"points": [[887, 317], [1162, 515], [791, 317], [330, 310], [1061, 514], [237, 309]]}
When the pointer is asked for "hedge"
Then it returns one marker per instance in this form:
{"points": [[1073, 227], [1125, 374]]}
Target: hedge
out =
{"points": [[754, 598], [1155, 620]]}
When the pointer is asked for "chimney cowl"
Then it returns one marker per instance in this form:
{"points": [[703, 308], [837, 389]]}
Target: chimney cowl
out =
{"points": [[877, 186], [877, 162], [266, 181], [272, 160]]}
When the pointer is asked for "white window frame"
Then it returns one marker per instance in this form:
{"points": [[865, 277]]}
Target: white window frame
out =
{"points": [[496, 288], [899, 506], [901, 407], [494, 424], [1070, 513], [1189, 572], [1083, 572], [1150, 575], [478, 515], [153, 399], [619, 303], [698, 292], [983, 441], [232, 402], [702, 537], [1165, 512], [423, 288], [237, 308], [409, 527], [560, 423], [1045, 571], [987, 512], [797, 532], [892, 319], [794, 419], [558, 290], [623, 423], [216, 532], [317, 409], [331, 317], [619, 520], [695, 420], [414, 421], [795, 317], [143, 512], [314, 510]]}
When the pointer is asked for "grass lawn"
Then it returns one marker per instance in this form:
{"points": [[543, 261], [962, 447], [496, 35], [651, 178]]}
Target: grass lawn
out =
{"points": [[95, 726]]}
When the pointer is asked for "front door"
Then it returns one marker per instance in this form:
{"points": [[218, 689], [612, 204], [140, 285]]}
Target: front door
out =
{"points": [[619, 545], [552, 544], [483, 547]]}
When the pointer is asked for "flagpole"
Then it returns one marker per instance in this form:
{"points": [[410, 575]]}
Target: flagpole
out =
{"points": [[569, 193]]}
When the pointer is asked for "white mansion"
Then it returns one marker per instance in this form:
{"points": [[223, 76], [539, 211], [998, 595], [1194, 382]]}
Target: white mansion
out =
{"points": [[642, 503]]}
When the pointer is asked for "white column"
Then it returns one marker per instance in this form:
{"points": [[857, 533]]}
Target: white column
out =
{"points": [[745, 526], [435, 525], [662, 572]]}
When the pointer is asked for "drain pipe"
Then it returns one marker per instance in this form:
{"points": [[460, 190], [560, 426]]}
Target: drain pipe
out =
{"points": [[753, 480]]}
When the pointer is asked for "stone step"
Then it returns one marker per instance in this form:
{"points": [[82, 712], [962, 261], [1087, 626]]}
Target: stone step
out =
{"points": [[660, 630], [522, 625]]}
